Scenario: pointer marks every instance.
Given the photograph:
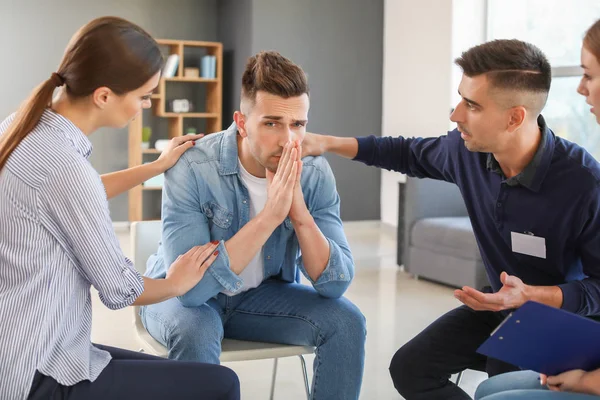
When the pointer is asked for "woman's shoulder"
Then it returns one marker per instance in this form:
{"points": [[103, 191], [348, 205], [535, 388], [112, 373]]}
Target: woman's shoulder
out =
{"points": [[46, 154]]}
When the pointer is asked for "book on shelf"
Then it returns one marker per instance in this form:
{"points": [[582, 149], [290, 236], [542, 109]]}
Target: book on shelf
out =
{"points": [[209, 67], [170, 68]]}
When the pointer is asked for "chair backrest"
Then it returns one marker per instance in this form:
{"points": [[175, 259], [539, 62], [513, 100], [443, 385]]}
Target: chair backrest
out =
{"points": [[145, 236]]}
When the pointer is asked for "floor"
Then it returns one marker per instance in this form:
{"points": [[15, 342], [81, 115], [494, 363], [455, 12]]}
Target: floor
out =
{"points": [[396, 306]]}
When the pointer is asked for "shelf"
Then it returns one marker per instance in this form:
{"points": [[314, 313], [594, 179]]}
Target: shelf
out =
{"points": [[196, 43], [189, 115], [190, 79], [168, 42], [151, 187], [191, 43]]}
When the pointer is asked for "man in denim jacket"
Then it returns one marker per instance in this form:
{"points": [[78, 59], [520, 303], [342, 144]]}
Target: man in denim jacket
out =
{"points": [[274, 216]]}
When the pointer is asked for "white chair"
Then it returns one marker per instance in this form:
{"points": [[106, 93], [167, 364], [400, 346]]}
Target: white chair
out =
{"points": [[145, 236]]}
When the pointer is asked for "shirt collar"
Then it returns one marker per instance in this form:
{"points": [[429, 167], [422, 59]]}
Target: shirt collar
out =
{"points": [[533, 174], [228, 159]]}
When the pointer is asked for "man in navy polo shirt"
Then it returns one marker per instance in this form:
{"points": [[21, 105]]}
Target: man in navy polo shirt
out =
{"points": [[533, 200]]}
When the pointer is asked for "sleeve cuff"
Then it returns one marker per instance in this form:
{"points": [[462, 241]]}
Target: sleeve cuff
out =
{"points": [[365, 148], [133, 287], [572, 296], [221, 271], [335, 270]]}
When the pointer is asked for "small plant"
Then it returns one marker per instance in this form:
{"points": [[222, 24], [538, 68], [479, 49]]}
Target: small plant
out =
{"points": [[146, 135]]}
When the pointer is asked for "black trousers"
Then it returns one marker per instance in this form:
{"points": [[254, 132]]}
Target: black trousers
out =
{"points": [[422, 367], [131, 375]]}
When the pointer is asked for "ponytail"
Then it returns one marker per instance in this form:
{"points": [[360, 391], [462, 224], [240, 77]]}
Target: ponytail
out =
{"points": [[28, 116]]}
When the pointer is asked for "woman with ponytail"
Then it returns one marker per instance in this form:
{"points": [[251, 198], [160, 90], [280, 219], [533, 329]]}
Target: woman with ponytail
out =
{"points": [[56, 236], [576, 384]]}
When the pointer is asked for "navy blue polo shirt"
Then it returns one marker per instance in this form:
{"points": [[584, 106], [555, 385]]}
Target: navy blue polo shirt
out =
{"points": [[556, 197]]}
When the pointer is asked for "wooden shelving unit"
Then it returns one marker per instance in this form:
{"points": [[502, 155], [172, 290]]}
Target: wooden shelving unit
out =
{"points": [[212, 113]]}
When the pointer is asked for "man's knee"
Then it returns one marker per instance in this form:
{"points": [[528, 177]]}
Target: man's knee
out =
{"points": [[192, 334], [357, 321], [347, 315], [195, 327], [403, 368]]}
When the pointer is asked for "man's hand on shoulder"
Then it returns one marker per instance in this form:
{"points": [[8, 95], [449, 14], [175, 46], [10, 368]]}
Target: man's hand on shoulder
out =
{"points": [[313, 145]]}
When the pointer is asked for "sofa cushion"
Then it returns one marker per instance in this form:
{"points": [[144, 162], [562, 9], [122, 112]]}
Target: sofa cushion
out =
{"points": [[446, 235]]}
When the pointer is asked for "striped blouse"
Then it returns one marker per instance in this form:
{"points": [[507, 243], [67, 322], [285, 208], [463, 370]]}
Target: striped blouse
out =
{"points": [[56, 239]]}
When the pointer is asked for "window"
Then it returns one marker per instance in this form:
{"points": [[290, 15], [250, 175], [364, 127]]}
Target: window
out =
{"points": [[557, 27]]}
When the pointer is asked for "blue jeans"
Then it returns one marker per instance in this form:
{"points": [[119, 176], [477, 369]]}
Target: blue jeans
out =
{"points": [[275, 312], [522, 385]]}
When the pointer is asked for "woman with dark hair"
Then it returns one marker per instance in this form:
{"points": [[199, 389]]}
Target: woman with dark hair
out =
{"points": [[570, 385], [57, 239]]}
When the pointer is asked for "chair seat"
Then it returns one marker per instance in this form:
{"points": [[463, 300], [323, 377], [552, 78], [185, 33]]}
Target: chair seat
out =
{"points": [[149, 344], [241, 350]]}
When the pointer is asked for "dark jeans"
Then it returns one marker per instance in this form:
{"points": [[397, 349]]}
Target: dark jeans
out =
{"points": [[131, 375], [422, 367]]}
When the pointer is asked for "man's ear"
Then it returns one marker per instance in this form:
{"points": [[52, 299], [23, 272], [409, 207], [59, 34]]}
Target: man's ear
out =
{"points": [[516, 118], [101, 97], [240, 121]]}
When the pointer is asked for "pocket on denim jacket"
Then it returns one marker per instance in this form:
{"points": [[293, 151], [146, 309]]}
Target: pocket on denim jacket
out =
{"points": [[220, 216]]}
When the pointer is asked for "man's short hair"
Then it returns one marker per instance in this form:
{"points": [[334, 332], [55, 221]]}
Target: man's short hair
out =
{"points": [[270, 72], [511, 66]]}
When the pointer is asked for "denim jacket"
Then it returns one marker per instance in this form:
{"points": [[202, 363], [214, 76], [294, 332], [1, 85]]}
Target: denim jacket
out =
{"points": [[204, 199]]}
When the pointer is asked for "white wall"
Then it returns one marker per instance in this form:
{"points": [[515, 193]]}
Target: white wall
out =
{"points": [[417, 77], [469, 25]]}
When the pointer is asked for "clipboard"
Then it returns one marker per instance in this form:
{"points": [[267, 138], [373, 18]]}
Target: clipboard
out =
{"points": [[546, 340]]}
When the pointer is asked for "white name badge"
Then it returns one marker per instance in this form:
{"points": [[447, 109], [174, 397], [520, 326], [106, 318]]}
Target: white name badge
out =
{"points": [[528, 244]]}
